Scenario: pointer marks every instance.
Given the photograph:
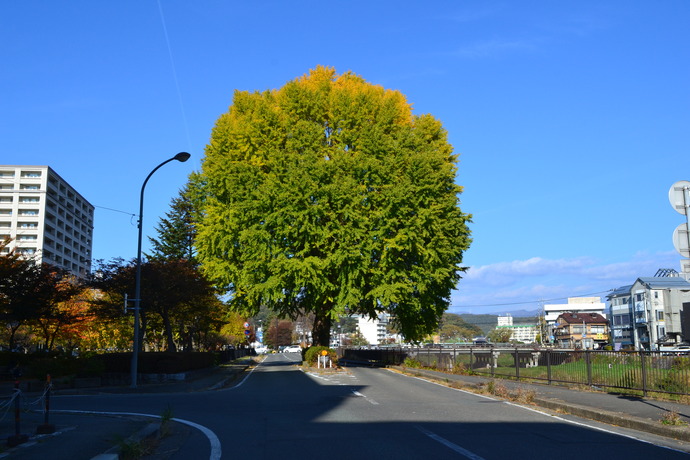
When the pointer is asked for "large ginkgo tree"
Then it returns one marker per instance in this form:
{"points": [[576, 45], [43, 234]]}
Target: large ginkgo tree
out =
{"points": [[329, 196]]}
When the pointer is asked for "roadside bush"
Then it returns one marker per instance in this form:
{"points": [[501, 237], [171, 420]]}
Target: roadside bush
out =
{"points": [[61, 366], [311, 354], [459, 368], [413, 363]]}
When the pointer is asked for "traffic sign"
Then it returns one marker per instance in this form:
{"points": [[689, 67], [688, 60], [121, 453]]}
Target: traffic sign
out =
{"points": [[677, 195], [680, 240]]}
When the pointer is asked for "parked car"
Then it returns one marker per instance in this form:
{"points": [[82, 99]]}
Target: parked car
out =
{"points": [[292, 349]]}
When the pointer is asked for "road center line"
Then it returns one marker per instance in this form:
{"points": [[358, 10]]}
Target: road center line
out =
{"points": [[460, 450], [369, 400]]}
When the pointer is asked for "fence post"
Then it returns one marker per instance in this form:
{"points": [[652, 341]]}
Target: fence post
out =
{"points": [[517, 363], [548, 366], [491, 362], [46, 428], [588, 362], [18, 438], [471, 358], [643, 368]]}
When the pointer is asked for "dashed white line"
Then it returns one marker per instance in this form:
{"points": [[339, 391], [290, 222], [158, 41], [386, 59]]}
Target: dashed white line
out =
{"points": [[460, 450], [369, 400]]}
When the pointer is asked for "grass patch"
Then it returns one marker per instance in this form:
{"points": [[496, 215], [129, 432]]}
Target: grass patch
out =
{"points": [[672, 418]]}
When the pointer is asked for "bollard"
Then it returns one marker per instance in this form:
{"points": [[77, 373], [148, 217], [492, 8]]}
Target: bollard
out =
{"points": [[46, 428], [18, 438]]}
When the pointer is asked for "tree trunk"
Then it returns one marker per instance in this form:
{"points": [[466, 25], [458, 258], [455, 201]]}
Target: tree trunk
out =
{"points": [[321, 332], [168, 331]]}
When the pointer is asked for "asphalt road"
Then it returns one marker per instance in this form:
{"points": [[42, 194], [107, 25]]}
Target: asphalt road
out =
{"points": [[279, 411]]}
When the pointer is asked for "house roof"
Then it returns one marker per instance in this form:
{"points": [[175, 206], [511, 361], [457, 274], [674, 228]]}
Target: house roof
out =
{"points": [[623, 290], [579, 318], [664, 282]]}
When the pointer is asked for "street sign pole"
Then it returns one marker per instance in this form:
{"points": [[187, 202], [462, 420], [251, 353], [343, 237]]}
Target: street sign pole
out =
{"points": [[679, 196]]}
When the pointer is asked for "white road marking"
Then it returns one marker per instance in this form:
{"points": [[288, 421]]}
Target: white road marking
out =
{"points": [[212, 438], [369, 400], [460, 450]]}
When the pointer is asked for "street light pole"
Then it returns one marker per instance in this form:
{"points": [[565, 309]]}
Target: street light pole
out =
{"points": [[181, 157]]}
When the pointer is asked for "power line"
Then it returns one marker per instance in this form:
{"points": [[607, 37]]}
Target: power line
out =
{"points": [[115, 210], [530, 301]]}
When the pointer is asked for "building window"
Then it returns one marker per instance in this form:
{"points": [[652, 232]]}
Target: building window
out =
{"points": [[31, 174], [29, 187], [659, 315], [6, 174], [28, 199], [28, 212], [27, 237], [28, 225]]}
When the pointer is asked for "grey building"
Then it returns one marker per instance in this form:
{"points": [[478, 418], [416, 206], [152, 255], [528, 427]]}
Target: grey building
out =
{"points": [[659, 311], [620, 319], [45, 218]]}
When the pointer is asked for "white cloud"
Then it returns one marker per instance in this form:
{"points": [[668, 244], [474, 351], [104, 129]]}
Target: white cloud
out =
{"points": [[492, 47], [524, 283]]}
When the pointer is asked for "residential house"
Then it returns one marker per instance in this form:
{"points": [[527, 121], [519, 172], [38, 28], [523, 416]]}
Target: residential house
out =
{"points": [[574, 305], [581, 330]]}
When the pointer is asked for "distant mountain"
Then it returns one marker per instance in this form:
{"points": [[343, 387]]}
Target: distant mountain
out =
{"points": [[523, 313]]}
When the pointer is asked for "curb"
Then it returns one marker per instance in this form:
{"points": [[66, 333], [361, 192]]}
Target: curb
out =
{"points": [[616, 419], [149, 431]]}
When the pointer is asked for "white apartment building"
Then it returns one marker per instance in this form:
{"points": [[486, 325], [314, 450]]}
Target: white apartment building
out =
{"points": [[375, 331], [45, 218], [505, 320], [525, 333]]}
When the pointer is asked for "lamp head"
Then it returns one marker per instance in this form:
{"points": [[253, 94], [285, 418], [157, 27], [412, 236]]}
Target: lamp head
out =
{"points": [[182, 157]]}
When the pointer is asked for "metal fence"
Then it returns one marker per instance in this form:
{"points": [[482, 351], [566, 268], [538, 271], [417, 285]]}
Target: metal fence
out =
{"points": [[644, 371]]}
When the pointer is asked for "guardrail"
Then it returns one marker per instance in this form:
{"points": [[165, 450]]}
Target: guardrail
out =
{"points": [[644, 371]]}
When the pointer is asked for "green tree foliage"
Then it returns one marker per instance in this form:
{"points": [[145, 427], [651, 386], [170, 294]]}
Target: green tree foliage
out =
{"points": [[328, 196], [455, 329], [176, 232], [500, 335]]}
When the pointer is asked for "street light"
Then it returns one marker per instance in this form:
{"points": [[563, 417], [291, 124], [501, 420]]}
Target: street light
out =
{"points": [[181, 157]]}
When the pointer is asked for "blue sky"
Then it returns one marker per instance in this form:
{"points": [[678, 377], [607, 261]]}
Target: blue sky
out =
{"points": [[571, 118]]}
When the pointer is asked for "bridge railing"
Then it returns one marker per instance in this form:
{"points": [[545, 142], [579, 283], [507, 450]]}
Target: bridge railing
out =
{"points": [[644, 371]]}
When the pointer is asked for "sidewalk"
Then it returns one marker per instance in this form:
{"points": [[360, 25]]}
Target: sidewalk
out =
{"points": [[641, 414], [90, 436]]}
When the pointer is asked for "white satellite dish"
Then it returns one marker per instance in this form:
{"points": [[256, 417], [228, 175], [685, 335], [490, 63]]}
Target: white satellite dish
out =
{"points": [[676, 195], [680, 240]]}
